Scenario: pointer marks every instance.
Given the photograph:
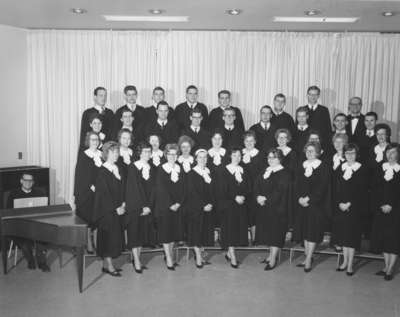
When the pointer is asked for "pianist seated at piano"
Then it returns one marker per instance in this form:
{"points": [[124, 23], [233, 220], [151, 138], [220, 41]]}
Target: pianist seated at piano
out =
{"points": [[29, 196]]}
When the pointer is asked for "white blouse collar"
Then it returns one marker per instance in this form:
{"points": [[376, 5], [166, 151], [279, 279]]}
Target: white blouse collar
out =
{"points": [[309, 167], [285, 150], [337, 160], [390, 170], [217, 155], [144, 167], [95, 156], [113, 169], [186, 162], [236, 170], [156, 157], [174, 171], [249, 154], [203, 172], [379, 153], [349, 169], [269, 170]]}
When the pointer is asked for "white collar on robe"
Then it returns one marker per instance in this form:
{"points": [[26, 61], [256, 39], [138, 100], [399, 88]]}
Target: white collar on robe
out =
{"points": [[337, 159], [191, 105], [265, 125], [203, 172], [390, 170], [144, 167], [126, 154], [156, 157], [379, 153], [302, 127], [186, 162], [131, 107], [217, 155], [173, 171], [96, 156], [248, 155], [162, 122], [313, 107], [128, 128], [277, 113], [229, 127], [100, 109], [348, 170], [269, 170], [113, 169], [286, 150], [370, 133], [340, 131], [309, 167], [193, 128], [236, 170]]}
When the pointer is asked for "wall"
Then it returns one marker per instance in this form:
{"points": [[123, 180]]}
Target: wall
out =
{"points": [[13, 92]]}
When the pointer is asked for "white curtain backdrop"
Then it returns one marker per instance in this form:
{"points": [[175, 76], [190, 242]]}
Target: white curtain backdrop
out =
{"points": [[65, 67]]}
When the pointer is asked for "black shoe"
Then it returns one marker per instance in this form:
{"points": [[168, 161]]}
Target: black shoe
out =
{"points": [[235, 266], [114, 273], [199, 266], [307, 270], [268, 267], [139, 271], [119, 270], [339, 269], [264, 261], [91, 252], [380, 273], [44, 267], [300, 265], [171, 268], [388, 277], [350, 273]]}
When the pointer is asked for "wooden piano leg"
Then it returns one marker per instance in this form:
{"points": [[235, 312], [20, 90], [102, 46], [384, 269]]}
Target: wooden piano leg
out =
{"points": [[79, 261], [4, 253]]}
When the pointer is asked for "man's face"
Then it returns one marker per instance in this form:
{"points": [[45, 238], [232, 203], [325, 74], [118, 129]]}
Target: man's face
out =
{"points": [[302, 117], [224, 100], [127, 118], [196, 119], [279, 104], [370, 122], [101, 98], [340, 122], [158, 96], [355, 106], [191, 95], [162, 112], [229, 117], [27, 182], [131, 97], [265, 115], [313, 96]]}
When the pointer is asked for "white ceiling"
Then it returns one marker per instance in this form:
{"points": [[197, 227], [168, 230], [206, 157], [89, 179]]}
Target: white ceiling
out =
{"points": [[203, 14]]}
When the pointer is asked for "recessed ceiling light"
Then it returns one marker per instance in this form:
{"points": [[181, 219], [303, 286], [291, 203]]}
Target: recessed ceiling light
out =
{"points": [[312, 12], [156, 11], [316, 19], [388, 13], [234, 11], [145, 18], [78, 10]]}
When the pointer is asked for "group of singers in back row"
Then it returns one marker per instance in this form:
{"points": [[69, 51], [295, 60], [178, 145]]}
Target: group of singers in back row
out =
{"points": [[165, 175]]}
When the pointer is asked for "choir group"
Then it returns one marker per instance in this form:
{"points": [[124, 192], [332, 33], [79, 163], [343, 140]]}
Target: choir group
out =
{"points": [[161, 176]]}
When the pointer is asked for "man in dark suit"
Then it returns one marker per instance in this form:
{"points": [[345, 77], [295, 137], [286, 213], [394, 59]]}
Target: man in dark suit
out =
{"points": [[138, 111], [129, 122], [165, 128], [151, 111], [232, 133], [280, 118], [319, 117], [368, 139], [200, 136], [265, 130], [183, 110], [302, 129], [356, 127], [106, 115], [215, 120]]}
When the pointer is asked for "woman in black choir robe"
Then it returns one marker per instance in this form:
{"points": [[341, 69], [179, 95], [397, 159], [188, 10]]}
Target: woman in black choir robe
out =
{"points": [[234, 188], [157, 156], [272, 192], [376, 155], [252, 162], [289, 161], [86, 171], [169, 200], [216, 163], [140, 204], [96, 124], [312, 196], [385, 235], [186, 160], [315, 137], [109, 207], [125, 152], [200, 206], [348, 196]]}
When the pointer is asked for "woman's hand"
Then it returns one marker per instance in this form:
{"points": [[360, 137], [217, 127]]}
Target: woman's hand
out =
{"points": [[261, 200], [92, 188], [240, 199], [386, 209], [146, 211], [208, 208]]}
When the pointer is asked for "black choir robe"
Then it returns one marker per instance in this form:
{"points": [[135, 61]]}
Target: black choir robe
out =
{"points": [[265, 138], [202, 139], [283, 121], [300, 139], [359, 129], [385, 235], [139, 115], [137, 134], [233, 216], [139, 194], [86, 172], [170, 224], [347, 225], [108, 197], [311, 222], [108, 121], [123, 166], [169, 133], [273, 218], [215, 120], [200, 223], [290, 162], [232, 138], [366, 145], [320, 120], [182, 114], [150, 113]]}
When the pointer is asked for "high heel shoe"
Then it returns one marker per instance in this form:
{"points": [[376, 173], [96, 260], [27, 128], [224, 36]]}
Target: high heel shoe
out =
{"points": [[350, 273], [114, 273], [269, 267], [381, 273], [303, 264], [171, 268], [139, 271], [199, 266], [235, 266], [339, 269], [388, 277]]}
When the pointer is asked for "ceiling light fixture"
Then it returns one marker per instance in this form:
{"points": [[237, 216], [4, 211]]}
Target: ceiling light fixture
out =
{"points": [[312, 12], [234, 11], [145, 18], [388, 13], [156, 11], [78, 10], [316, 19]]}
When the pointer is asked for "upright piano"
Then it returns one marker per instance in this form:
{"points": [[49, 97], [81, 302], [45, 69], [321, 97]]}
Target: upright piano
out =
{"points": [[57, 225]]}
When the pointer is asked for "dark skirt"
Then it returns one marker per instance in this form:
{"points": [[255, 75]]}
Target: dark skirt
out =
{"points": [[309, 225], [251, 211], [84, 210], [201, 230], [271, 228], [141, 231], [110, 239], [234, 226], [170, 226], [347, 227], [385, 235]]}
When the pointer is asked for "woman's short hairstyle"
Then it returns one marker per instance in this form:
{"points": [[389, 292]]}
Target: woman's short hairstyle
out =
{"points": [[171, 147], [217, 131], [393, 146], [351, 147], [87, 138], [95, 116], [141, 146], [108, 147], [249, 133], [315, 145], [235, 149], [286, 131], [156, 135], [276, 153], [342, 136], [120, 132], [385, 127], [185, 139]]}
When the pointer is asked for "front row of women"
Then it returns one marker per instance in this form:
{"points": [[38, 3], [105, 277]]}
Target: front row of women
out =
{"points": [[167, 205]]}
